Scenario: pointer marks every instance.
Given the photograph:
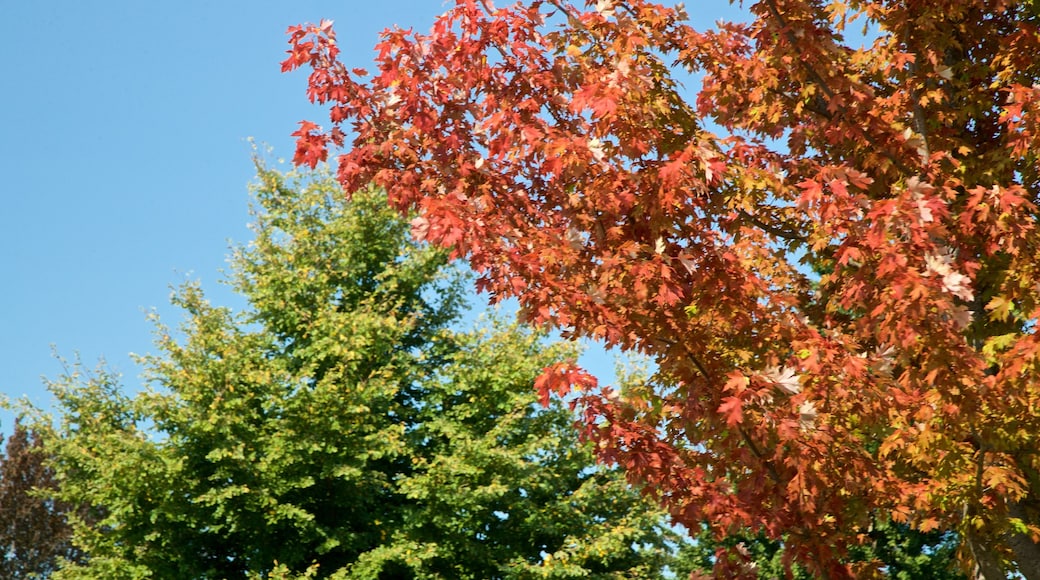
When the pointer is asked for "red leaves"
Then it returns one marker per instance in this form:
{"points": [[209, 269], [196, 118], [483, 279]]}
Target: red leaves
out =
{"points": [[299, 56], [731, 410], [561, 379], [847, 228], [311, 145], [304, 52]]}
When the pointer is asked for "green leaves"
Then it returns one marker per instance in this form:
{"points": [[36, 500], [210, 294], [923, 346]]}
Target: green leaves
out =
{"points": [[340, 426]]}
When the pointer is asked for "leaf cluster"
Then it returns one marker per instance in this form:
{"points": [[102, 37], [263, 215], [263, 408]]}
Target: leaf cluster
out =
{"points": [[340, 426], [830, 250]]}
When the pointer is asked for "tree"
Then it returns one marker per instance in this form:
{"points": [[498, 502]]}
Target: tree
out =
{"points": [[340, 427], [904, 554], [34, 531], [830, 252]]}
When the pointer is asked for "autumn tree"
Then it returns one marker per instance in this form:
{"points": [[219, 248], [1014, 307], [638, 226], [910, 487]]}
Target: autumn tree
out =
{"points": [[34, 531], [830, 249], [341, 426]]}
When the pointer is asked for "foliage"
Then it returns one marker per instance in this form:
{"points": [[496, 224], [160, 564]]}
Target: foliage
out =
{"points": [[896, 550], [550, 143], [340, 428], [34, 532]]}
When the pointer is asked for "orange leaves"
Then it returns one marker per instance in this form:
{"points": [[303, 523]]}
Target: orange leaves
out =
{"points": [[732, 409], [562, 378], [1000, 308], [1004, 481], [842, 283]]}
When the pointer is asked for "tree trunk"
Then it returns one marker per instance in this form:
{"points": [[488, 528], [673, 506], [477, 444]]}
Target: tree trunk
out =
{"points": [[987, 565], [1027, 552], [985, 562]]}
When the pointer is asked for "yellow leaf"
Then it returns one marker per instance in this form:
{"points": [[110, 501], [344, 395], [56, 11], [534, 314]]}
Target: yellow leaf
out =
{"points": [[999, 308], [928, 525]]}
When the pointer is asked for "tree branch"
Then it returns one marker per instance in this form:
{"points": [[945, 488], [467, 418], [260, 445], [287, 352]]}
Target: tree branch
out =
{"points": [[775, 230], [743, 433], [918, 112], [819, 81]]}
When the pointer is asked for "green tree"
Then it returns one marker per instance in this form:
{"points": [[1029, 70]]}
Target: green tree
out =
{"points": [[34, 531], [339, 426], [893, 550]]}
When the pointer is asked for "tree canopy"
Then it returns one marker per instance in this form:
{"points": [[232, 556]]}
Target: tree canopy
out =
{"points": [[35, 534], [340, 426], [829, 250]]}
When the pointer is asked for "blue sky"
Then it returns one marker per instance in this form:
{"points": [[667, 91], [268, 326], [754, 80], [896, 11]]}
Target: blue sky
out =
{"points": [[125, 158]]}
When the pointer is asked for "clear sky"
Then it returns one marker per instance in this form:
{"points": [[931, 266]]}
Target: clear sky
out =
{"points": [[124, 159]]}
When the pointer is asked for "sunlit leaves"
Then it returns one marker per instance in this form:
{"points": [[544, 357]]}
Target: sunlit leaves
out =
{"points": [[341, 426], [865, 220]]}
